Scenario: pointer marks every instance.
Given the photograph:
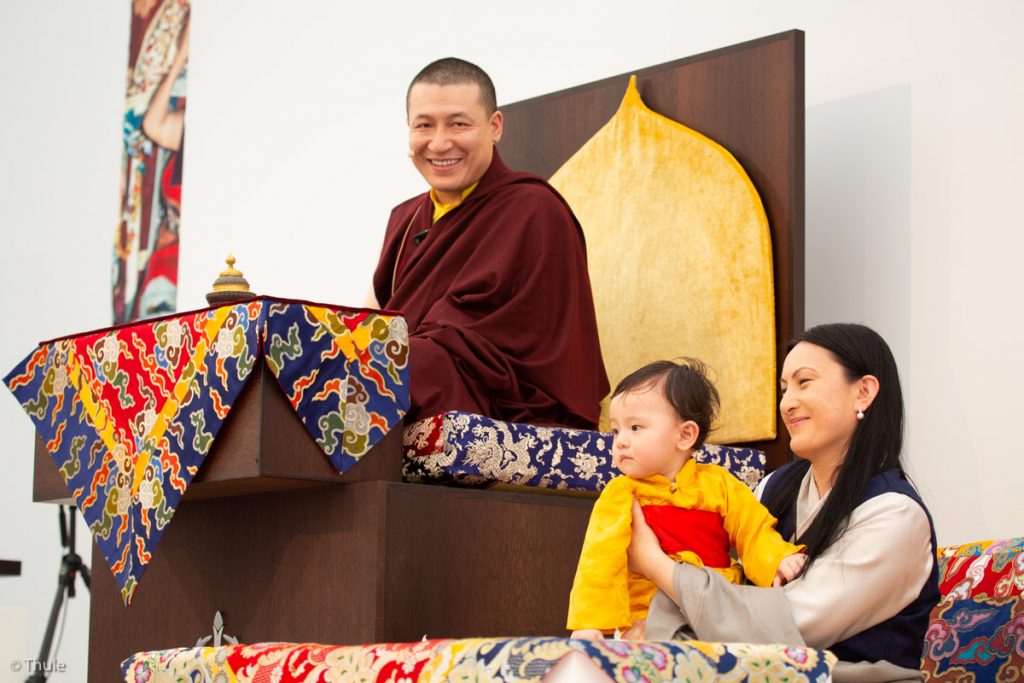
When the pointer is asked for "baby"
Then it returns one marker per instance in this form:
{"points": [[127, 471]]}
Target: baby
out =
{"points": [[660, 414]]}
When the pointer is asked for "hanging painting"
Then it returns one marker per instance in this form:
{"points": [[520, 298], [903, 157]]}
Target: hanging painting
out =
{"points": [[144, 276]]}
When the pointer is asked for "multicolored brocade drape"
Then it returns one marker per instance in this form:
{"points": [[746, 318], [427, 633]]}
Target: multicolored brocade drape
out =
{"points": [[129, 413], [976, 632], [480, 659]]}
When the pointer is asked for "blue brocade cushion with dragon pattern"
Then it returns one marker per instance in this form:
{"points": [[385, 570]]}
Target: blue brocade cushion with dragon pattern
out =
{"points": [[472, 450]]}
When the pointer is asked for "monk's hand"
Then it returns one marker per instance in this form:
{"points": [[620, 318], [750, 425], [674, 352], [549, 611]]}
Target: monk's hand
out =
{"points": [[644, 548], [789, 568]]}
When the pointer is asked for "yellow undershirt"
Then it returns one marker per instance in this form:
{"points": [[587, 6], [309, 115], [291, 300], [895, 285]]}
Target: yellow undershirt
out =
{"points": [[441, 209]]}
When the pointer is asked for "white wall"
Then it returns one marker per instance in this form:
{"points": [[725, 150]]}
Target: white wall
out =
{"points": [[297, 153], [61, 100]]}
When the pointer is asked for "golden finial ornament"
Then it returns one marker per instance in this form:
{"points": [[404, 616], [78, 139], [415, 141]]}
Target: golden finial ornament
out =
{"points": [[229, 286]]}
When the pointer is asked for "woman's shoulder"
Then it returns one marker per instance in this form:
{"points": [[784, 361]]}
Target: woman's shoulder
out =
{"points": [[892, 504], [891, 523], [894, 481]]}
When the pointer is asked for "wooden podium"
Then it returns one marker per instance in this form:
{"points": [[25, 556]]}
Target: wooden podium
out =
{"points": [[288, 550]]}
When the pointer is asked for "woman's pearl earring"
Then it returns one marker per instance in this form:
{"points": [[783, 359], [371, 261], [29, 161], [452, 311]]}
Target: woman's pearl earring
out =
{"points": [[860, 413]]}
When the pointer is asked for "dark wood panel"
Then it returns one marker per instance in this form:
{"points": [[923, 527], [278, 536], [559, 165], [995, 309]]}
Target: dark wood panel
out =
{"points": [[47, 485], [472, 563], [299, 566], [748, 97], [346, 564]]}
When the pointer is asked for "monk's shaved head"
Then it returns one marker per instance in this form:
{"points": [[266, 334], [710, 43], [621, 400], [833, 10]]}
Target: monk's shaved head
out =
{"points": [[454, 71]]}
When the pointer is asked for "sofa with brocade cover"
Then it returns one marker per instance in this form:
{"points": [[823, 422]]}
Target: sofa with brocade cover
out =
{"points": [[479, 659], [976, 632]]}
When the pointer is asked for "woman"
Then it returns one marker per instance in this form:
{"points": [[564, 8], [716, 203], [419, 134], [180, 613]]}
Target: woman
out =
{"points": [[870, 581]]}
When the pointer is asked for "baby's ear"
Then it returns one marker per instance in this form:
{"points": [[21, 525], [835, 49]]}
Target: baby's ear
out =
{"points": [[688, 434]]}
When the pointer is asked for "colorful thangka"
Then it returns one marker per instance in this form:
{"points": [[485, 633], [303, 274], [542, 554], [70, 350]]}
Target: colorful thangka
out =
{"points": [[129, 413], [144, 274]]}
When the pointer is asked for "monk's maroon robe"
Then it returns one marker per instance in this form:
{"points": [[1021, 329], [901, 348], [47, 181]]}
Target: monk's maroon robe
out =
{"points": [[497, 297]]}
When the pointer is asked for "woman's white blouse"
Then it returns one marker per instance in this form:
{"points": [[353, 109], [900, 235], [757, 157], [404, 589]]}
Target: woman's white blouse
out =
{"points": [[875, 569]]}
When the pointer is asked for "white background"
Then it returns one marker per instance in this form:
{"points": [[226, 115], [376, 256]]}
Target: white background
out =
{"points": [[297, 152]]}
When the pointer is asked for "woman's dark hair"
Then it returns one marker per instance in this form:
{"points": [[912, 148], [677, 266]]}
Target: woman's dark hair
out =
{"points": [[876, 443], [686, 387]]}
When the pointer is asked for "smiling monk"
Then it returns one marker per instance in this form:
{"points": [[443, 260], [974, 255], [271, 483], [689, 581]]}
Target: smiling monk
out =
{"points": [[489, 268]]}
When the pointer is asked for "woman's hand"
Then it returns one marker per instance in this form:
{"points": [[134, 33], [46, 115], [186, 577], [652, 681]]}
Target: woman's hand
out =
{"points": [[644, 549], [646, 556]]}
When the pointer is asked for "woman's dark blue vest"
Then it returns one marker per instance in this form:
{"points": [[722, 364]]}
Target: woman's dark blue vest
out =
{"points": [[899, 639]]}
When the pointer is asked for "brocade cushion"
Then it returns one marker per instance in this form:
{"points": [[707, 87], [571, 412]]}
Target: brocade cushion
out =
{"points": [[976, 631], [472, 450], [479, 659]]}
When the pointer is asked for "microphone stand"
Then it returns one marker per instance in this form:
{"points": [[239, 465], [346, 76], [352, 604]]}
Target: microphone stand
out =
{"points": [[71, 565]]}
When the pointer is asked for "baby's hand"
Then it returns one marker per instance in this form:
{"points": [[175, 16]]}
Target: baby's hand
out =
{"points": [[587, 634], [789, 568]]}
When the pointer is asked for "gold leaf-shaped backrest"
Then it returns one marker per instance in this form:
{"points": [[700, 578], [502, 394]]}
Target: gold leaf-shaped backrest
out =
{"points": [[680, 259]]}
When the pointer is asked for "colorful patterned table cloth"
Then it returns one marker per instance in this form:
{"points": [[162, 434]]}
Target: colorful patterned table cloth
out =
{"points": [[976, 632], [480, 659], [468, 449], [129, 413]]}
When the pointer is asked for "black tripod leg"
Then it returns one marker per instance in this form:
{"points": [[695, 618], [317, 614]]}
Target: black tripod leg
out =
{"points": [[51, 626], [70, 566], [76, 560]]}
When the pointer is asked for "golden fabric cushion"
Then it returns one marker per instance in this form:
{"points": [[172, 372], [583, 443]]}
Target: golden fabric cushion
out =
{"points": [[680, 259]]}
